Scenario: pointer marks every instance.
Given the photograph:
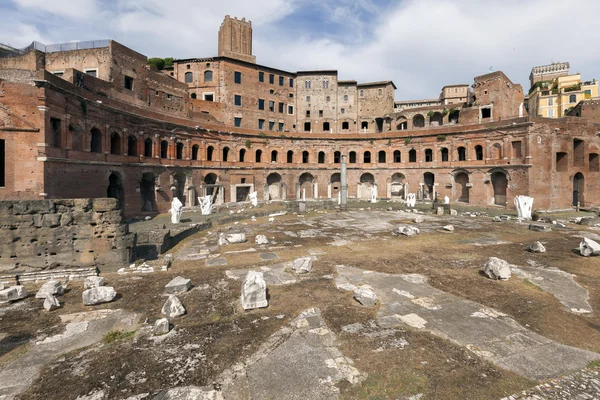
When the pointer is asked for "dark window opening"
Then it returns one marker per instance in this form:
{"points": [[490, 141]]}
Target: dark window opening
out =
{"points": [[274, 156], [261, 76], [320, 113], [131, 146], [516, 150], [364, 125], [444, 152], [96, 141], [462, 154], [242, 155], [397, 156], [225, 154], [578, 152], [237, 122], [195, 149], [211, 97], [382, 157], [194, 96], [271, 125], [189, 77], [367, 157], [237, 77], [337, 157], [237, 100], [352, 157], [305, 157], [307, 127], [271, 79], [128, 83], [261, 104], [291, 82], [164, 148], [55, 132], [281, 107], [594, 162], [258, 155], [486, 113], [261, 124], [208, 76], [2, 163], [479, 151], [209, 153], [321, 157], [326, 126], [115, 143], [290, 156], [412, 155], [179, 151], [281, 80], [148, 147], [428, 155], [345, 125]]}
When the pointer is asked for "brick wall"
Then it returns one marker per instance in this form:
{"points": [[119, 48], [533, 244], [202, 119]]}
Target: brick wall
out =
{"points": [[47, 234]]}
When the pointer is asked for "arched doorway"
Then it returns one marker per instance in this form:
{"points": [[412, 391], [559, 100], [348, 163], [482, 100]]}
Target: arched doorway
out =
{"points": [[367, 182], [306, 184], [428, 186], [274, 186], [397, 185], [147, 191], [335, 182], [178, 186], [115, 188], [578, 186], [436, 119], [462, 179], [418, 121], [500, 184], [401, 124]]}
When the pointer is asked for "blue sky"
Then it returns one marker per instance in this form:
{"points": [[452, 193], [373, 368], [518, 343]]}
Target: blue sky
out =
{"points": [[421, 45]]}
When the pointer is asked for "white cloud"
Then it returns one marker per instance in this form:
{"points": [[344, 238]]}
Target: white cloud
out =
{"points": [[421, 45]]}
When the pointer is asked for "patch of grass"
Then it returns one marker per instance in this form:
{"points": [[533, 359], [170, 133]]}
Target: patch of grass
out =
{"points": [[216, 317], [594, 364], [116, 335], [377, 386], [532, 285]]}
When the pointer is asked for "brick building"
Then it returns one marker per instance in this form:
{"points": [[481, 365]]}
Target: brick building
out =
{"points": [[93, 120]]}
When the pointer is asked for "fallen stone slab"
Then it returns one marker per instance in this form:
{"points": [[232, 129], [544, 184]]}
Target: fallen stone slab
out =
{"points": [[216, 262], [231, 238], [536, 247], [275, 274], [190, 393], [486, 332], [406, 230], [417, 219], [540, 228], [173, 307], [588, 248], [497, 219], [302, 265], [365, 296], [93, 281], [98, 295], [562, 285], [51, 303], [52, 287], [497, 269], [178, 285], [448, 228], [261, 239], [13, 293], [254, 291], [268, 256], [161, 327]]}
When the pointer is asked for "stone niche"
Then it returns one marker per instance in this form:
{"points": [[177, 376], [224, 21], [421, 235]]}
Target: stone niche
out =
{"points": [[46, 234]]}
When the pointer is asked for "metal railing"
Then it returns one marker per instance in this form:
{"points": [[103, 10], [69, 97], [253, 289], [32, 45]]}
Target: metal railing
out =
{"points": [[8, 51]]}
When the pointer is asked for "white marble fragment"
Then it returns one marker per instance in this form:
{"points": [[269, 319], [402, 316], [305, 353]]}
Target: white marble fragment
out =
{"points": [[254, 291], [497, 268], [98, 295], [93, 281], [173, 307]]}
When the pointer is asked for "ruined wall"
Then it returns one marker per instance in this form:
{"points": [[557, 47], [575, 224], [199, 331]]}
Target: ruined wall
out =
{"points": [[48, 234], [317, 104]]}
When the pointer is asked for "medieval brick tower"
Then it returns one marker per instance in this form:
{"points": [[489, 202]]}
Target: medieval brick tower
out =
{"points": [[235, 39]]}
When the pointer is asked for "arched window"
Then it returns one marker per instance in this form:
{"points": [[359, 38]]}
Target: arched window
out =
{"points": [[96, 141], [307, 84], [209, 153], [189, 77], [478, 152], [132, 146], [462, 154], [328, 99], [352, 157], [258, 155], [428, 155], [381, 156], [397, 156], [147, 147], [208, 76], [362, 93], [345, 97], [412, 155], [195, 149], [179, 152], [274, 156], [164, 148], [194, 96], [305, 157], [115, 143], [321, 157], [345, 125], [225, 154], [337, 156], [380, 92], [290, 156], [325, 126], [326, 84], [367, 157], [444, 153], [242, 155]]}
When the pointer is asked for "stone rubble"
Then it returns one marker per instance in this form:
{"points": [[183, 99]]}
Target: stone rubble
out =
{"points": [[93, 281], [417, 219], [536, 247], [497, 269], [51, 303], [173, 307], [261, 239], [449, 228], [407, 230], [254, 291], [178, 285], [365, 296], [302, 265], [167, 261], [161, 326], [12, 293], [539, 228], [98, 295], [588, 248], [231, 238], [52, 287], [584, 384]]}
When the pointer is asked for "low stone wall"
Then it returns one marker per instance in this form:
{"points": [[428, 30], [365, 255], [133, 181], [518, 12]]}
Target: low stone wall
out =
{"points": [[48, 234]]}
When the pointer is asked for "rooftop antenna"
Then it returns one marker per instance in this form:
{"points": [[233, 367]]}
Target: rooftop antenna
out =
{"points": [[491, 69]]}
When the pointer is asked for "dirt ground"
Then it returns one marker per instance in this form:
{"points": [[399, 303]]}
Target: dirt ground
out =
{"points": [[216, 333]]}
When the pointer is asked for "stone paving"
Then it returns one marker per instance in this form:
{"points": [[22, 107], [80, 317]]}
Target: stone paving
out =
{"points": [[407, 299], [581, 385]]}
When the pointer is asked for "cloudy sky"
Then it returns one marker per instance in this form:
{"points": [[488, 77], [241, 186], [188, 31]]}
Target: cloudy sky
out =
{"points": [[421, 45]]}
